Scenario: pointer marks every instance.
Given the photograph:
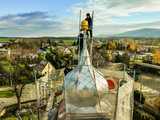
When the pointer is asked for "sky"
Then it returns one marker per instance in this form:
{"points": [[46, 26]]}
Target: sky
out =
{"points": [[38, 18]]}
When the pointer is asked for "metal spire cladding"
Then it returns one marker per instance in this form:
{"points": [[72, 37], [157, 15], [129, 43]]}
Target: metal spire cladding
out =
{"points": [[85, 87]]}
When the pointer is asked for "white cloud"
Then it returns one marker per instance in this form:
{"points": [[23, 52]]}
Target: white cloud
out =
{"points": [[105, 10], [28, 24], [43, 24]]}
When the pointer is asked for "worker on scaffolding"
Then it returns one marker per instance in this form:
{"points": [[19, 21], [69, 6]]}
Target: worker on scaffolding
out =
{"points": [[86, 27], [90, 24], [83, 29]]}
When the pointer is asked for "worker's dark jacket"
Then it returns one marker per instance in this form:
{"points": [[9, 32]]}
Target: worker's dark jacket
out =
{"points": [[80, 41], [90, 22]]}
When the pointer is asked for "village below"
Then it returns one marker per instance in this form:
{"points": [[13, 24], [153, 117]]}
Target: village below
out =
{"points": [[32, 73]]}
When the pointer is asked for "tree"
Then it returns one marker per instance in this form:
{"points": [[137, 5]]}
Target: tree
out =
{"points": [[132, 46], [139, 97], [156, 57], [118, 58], [21, 73], [5, 71], [125, 58], [58, 57], [111, 45]]}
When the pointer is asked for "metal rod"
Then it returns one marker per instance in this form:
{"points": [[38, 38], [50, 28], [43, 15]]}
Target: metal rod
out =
{"points": [[134, 74], [116, 105], [79, 34], [91, 38], [80, 13], [37, 93]]}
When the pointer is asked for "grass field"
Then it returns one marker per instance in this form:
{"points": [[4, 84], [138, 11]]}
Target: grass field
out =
{"points": [[6, 94], [26, 117], [10, 118], [68, 42], [5, 39]]}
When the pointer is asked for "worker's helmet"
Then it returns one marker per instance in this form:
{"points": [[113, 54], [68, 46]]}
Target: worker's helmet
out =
{"points": [[88, 14]]}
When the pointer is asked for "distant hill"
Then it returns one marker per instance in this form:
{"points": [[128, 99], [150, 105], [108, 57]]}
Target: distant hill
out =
{"points": [[147, 32]]}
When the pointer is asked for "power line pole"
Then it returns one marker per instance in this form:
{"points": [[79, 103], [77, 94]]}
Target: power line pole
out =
{"points": [[37, 93], [80, 14]]}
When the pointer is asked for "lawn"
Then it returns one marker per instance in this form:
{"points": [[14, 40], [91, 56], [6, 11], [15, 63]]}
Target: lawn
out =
{"points": [[6, 94], [5, 39], [10, 118], [69, 42], [34, 117]]}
